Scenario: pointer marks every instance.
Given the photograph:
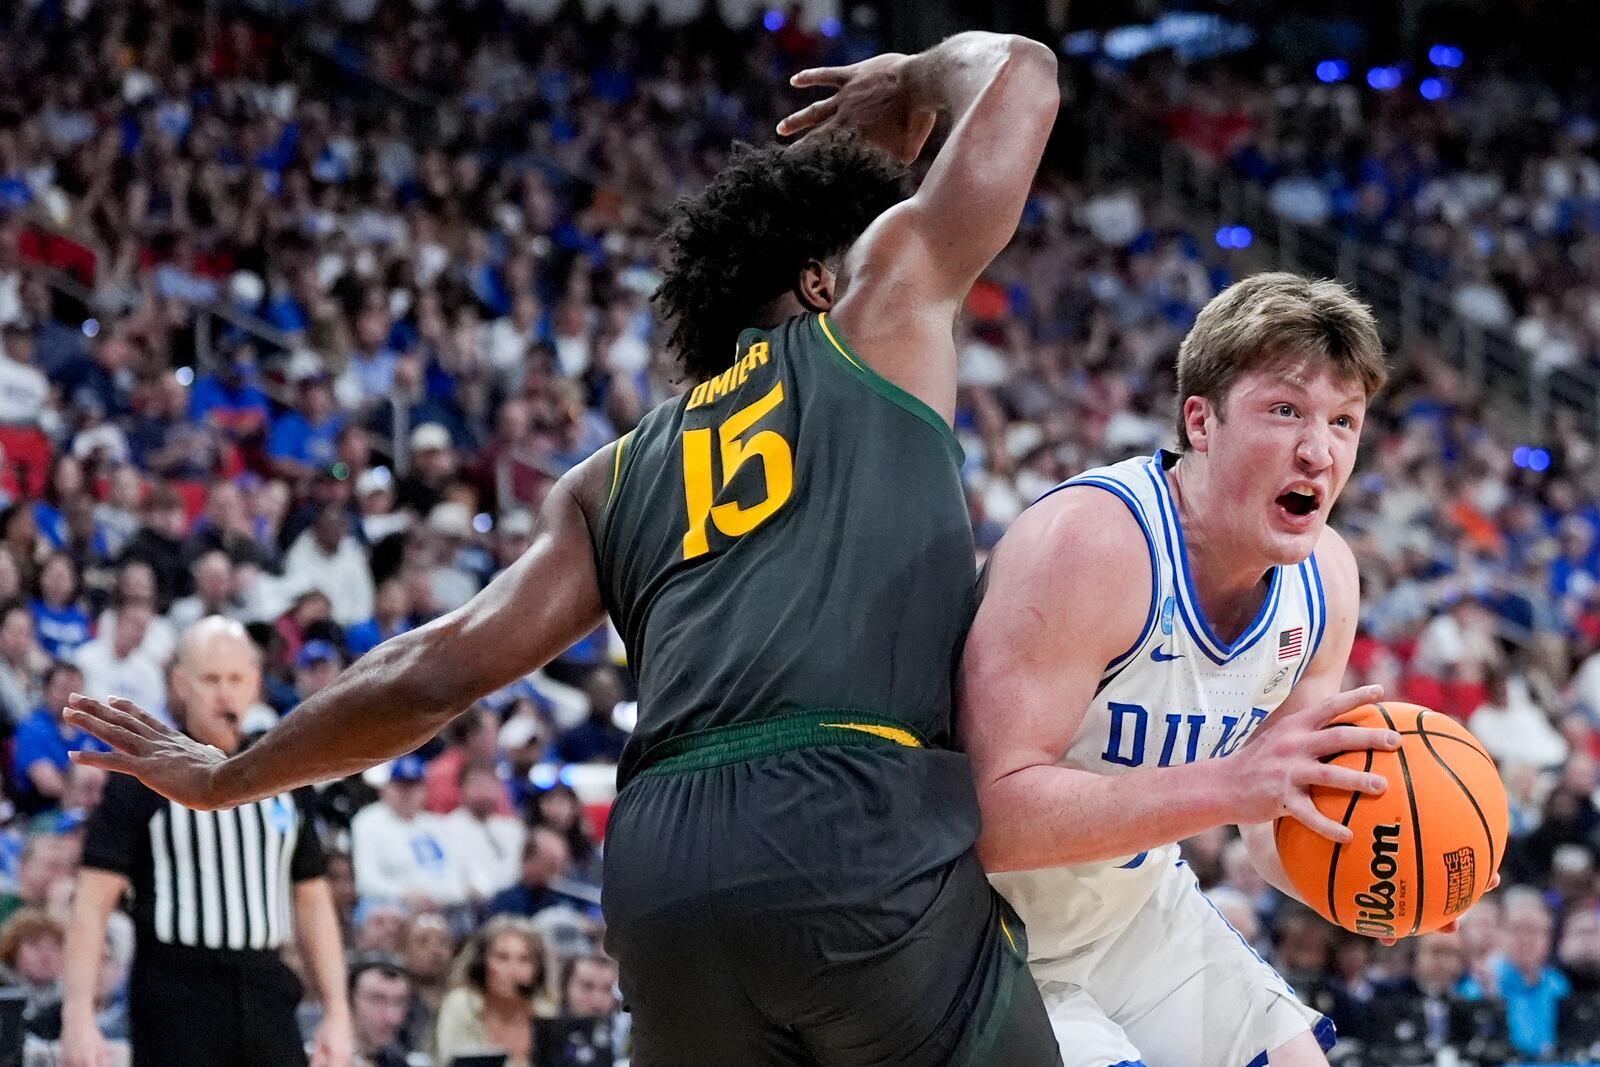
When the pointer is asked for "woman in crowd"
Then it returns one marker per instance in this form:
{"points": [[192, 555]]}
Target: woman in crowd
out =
{"points": [[495, 991]]}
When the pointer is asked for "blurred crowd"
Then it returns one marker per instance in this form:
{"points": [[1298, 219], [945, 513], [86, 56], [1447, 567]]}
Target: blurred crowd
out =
{"points": [[1471, 173], [280, 346]]}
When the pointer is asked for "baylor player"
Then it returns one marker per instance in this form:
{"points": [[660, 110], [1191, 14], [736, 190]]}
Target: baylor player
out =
{"points": [[789, 867]]}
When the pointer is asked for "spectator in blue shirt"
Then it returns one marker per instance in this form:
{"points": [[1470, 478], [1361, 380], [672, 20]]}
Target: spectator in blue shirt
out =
{"points": [[306, 439], [391, 617], [40, 759], [232, 400], [61, 623], [597, 739], [545, 859], [1531, 987]]}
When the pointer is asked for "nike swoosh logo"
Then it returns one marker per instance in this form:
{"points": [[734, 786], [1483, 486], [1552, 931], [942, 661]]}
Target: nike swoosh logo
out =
{"points": [[1161, 657]]}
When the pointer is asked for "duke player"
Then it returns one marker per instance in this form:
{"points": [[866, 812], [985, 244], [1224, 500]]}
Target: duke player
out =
{"points": [[1139, 625]]}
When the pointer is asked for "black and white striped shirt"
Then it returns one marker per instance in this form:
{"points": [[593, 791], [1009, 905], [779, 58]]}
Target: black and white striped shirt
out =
{"points": [[206, 879]]}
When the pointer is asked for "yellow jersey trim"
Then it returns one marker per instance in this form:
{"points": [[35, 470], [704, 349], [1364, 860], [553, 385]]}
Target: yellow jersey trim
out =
{"points": [[822, 320], [1007, 931], [616, 467], [891, 733]]}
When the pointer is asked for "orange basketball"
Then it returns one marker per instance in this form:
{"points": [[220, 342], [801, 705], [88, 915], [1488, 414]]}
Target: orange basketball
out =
{"points": [[1424, 850]]}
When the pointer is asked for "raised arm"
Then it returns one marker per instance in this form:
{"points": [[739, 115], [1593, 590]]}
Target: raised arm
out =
{"points": [[1068, 591], [902, 283], [399, 694]]}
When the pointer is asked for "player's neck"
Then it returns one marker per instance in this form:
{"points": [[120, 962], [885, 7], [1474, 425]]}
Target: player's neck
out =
{"points": [[1230, 587]]}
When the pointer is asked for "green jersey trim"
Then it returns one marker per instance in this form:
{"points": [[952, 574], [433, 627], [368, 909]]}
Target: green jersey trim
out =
{"points": [[741, 741], [887, 389]]}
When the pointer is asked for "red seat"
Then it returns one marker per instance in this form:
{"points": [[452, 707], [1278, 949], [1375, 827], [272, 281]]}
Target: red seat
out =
{"points": [[27, 455]]}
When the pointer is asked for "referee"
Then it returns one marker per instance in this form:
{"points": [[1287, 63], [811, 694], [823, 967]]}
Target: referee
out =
{"points": [[215, 895]]}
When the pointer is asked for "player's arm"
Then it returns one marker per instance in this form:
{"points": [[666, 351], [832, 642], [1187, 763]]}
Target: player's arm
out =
{"points": [[1324, 677], [904, 280], [1069, 591], [401, 693]]}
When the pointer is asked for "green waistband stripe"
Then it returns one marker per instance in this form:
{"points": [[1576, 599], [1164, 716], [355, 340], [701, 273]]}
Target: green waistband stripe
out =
{"points": [[742, 741]]}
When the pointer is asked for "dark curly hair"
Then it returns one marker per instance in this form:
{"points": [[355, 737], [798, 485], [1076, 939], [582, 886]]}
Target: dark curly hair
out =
{"points": [[741, 242]]}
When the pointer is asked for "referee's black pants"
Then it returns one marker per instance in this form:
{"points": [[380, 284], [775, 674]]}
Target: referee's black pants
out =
{"points": [[195, 1007]]}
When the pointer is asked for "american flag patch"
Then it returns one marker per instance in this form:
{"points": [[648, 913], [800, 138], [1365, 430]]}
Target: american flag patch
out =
{"points": [[1290, 642]]}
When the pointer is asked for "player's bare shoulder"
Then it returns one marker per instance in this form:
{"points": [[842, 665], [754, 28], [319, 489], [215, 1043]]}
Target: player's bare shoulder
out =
{"points": [[1077, 561]]}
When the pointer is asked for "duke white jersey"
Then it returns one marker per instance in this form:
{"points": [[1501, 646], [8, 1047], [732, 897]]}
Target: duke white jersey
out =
{"points": [[1178, 694]]}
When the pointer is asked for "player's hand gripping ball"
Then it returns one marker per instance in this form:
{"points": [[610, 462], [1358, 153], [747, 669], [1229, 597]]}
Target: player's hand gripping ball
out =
{"points": [[1424, 850]]}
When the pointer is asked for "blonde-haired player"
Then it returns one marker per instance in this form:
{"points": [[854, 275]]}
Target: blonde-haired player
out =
{"points": [[1140, 625]]}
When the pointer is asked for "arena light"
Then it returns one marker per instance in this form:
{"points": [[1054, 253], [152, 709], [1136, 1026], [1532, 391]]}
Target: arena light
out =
{"points": [[830, 27], [1446, 56], [482, 523], [1332, 70], [1538, 460], [1433, 89], [184, 376], [1519, 456], [773, 21], [1384, 79], [1234, 237], [91, 328]]}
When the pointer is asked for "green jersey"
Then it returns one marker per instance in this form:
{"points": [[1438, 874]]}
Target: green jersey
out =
{"points": [[790, 536]]}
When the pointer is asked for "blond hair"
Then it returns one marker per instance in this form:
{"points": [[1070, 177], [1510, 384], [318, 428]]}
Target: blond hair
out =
{"points": [[1277, 320]]}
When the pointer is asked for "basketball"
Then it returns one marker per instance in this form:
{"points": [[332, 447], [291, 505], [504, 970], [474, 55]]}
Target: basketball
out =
{"points": [[1424, 850]]}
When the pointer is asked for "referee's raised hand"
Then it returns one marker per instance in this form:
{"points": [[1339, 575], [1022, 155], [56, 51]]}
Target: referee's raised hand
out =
{"points": [[174, 765]]}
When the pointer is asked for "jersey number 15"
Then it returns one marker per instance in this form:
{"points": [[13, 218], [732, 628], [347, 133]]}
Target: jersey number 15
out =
{"points": [[768, 447]]}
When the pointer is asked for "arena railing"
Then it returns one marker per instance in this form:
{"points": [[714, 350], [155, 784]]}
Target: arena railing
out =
{"points": [[1414, 312]]}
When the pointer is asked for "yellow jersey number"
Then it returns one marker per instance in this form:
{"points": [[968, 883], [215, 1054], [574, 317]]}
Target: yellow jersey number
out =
{"points": [[768, 447]]}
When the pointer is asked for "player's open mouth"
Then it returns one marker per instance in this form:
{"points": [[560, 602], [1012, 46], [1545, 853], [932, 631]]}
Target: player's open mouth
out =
{"points": [[1300, 502]]}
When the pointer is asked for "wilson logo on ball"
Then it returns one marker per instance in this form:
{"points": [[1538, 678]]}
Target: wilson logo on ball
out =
{"points": [[1377, 903]]}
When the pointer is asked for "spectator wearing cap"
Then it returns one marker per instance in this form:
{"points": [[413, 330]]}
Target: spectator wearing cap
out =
{"points": [[375, 497], [305, 438], [391, 616], [410, 404], [448, 538], [522, 739], [512, 536], [473, 741], [433, 468], [380, 994], [41, 750], [24, 390], [485, 841], [316, 665], [400, 851], [327, 558]]}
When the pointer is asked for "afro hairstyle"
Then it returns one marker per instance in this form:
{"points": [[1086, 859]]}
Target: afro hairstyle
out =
{"points": [[742, 241]]}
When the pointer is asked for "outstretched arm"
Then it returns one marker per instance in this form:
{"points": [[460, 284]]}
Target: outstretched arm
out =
{"points": [[399, 694], [904, 280]]}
